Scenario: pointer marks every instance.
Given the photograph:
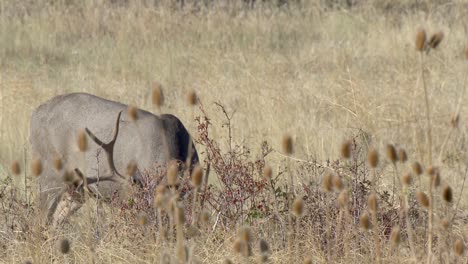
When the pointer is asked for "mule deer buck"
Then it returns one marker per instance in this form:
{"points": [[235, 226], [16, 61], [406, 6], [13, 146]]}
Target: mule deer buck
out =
{"points": [[149, 140]]}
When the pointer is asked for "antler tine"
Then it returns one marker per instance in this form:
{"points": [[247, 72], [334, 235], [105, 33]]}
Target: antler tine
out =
{"points": [[109, 147]]}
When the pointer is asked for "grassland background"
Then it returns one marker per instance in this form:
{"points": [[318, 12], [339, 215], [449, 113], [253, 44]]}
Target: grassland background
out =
{"points": [[318, 73]]}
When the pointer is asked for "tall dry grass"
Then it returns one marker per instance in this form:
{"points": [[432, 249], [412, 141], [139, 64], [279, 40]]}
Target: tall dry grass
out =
{"points": [[316, 73]]}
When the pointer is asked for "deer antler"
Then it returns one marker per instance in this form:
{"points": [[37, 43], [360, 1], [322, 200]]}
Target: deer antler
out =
{"points": [[109, 147]]}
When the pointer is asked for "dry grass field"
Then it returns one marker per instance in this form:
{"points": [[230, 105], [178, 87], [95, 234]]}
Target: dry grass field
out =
{"points": [[332, 82]]}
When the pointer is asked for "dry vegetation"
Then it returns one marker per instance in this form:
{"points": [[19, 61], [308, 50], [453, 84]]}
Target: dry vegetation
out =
{"points": [[332, 133]]}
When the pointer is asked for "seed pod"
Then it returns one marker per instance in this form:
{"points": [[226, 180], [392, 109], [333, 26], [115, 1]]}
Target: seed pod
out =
{"points": [[455, 120], [82, 141], [15, 168], [372, 203], [337, 182], [346, 149], [327, 182], [142, 219], [58, 165], [420, 40], [435, 39], [417, 168], [287, 144], [402, 156], [64, 246], [445, 223], [264, 248], [157, 96], [365, 221], [343, 199], [36, 167], [298, 207], [192, 98], [447, 194], [267, 172], [459, 247], [391, 153], [422, 199], [172, 173], [132, 113], [197, 176], [395, 236], [406, 179], [373, 158]]}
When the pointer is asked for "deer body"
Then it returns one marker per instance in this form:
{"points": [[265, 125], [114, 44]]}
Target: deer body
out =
{"points": [[149, 141]]}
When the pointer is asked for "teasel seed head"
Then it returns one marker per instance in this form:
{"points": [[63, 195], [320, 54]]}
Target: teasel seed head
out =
{"points": [[420, 40], [245, 234], [64, 246], [346, 149], [373, 158], [402, 156], [58, 165], [197, 176], [436, 179], [192, 98], [36, 167], [157, 96], [142, 219], [435, 39], [267, 172], [298, 207], [327, 182], [132, 113], [431, 171], [417, 168], [391, 153], [447, 194], [395, 236], [343, 199], [264, 248], [459, 247], [455, 120], [445, 223], [68, 177], [337, 182], [288, 144], [172, 173], [15, 168], [82, 141], [239, 246], [180, 215], [205, 217], [372, 203], [422, 198], [406, 179], [365, 221]]}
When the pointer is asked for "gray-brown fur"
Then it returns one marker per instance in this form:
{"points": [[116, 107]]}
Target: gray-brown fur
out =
{"points": [[151, 140]]}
